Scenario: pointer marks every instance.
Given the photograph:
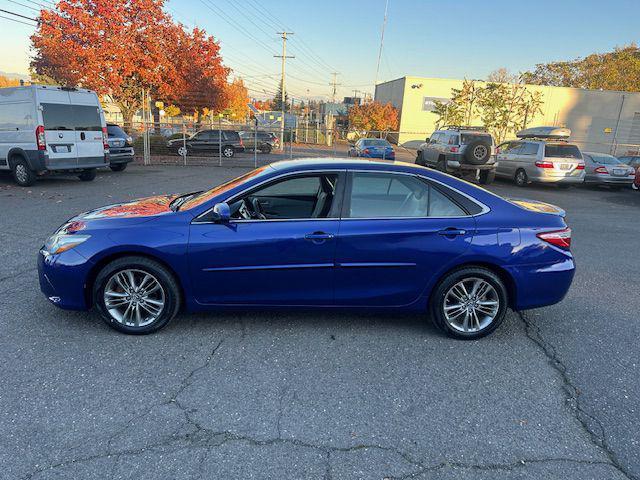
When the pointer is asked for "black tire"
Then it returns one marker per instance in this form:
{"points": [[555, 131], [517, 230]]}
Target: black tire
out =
{"points": [[22, 173], [179, 150], [118, 167], [615, 188], [564, 186], [88, 175], [521, 178], [487, 176], [172, 297], [437, 302], [419, 160], [440, 166], [477, 152], [228, 151], [265, 149]]}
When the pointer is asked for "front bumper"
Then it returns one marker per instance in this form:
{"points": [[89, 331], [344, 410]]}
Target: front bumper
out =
{"points": [[62, 279], [120, 155]]}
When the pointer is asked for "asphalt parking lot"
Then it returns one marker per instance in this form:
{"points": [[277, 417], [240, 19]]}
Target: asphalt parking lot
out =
{"points": [[552, 394]]}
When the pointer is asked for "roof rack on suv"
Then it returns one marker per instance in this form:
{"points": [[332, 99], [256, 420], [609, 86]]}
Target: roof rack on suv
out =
{"points": [[465, 127]]}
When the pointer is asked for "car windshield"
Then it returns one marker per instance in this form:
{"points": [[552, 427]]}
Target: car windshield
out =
{"points": [[606, 159], [207, 195], [115, 131], [375, 143], [561, 150], [467, 138]]}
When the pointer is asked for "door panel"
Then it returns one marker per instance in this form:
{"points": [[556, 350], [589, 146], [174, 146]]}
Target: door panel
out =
{"points": [[263, 262], [389, 262]]}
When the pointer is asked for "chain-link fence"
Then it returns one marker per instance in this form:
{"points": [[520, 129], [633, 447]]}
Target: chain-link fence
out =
{"points": [[220, 143]]}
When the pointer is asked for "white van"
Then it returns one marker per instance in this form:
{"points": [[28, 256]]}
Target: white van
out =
{"points": [[47, 128]]}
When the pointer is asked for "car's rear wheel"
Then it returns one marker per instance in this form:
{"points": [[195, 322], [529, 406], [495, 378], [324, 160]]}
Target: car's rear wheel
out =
{"points": [[228, 152], [521, 179], [265, 149], [136, 295], [88, 175], [182, 151], [440, 166], [469, 303], [22, 174], [118, 167]]}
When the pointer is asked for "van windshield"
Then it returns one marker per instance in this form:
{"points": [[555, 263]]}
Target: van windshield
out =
{"points": [[59, 116], [562, 150]]}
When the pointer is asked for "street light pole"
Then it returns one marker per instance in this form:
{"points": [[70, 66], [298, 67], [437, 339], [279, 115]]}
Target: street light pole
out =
{"points": [[283, 83]]}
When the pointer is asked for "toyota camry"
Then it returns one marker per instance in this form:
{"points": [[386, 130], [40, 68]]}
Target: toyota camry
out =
{"points": [[321, 233]]}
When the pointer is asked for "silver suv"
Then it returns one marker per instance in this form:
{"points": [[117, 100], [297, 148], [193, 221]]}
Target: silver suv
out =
{"points": [[459, 150], [543, 155]]}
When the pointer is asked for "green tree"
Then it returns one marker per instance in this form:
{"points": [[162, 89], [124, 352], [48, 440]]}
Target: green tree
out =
{"points": [[616, 70], [277, 100]]}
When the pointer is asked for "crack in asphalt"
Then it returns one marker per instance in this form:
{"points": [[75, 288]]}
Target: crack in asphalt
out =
{"points": [[585, 419], [204, 438]]}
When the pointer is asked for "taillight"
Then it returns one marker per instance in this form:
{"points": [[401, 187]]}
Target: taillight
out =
{"points": [[580, 166], [601, 170], [105, 138], [40, 140], [454, 149], [497, 151], [559, 238], [366, 151], [544, 164], [241, 144]]}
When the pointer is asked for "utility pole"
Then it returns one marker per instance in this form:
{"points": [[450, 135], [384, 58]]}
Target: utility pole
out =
{"points": [[355, 95], [284, 57], [334, 84], [384, 24]]}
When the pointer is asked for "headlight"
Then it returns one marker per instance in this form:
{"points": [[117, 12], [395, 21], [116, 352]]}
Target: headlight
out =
{"points": [[129, 140], [61, 242]]}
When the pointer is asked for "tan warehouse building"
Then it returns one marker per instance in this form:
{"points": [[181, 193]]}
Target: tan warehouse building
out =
{"points": [[605, 121]]}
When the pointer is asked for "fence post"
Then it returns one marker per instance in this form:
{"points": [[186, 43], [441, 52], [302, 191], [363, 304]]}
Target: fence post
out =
{"points": [[184, 143], [255, 143], [220, 139]]}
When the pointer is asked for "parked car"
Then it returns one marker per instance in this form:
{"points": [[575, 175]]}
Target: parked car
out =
{"points": [[542, 154], [459, 150], [603, 169], [631, 160], [372, 148], [266, 141], [314, 233], [636, 181], [228, 142], [46, 129], [120, 148]]}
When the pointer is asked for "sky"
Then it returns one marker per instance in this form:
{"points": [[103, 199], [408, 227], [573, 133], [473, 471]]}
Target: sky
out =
{"points": [[430, 38]]}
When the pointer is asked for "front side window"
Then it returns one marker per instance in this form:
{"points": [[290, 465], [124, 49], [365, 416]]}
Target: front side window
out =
{"points": [[300, 197], [381, 195]]}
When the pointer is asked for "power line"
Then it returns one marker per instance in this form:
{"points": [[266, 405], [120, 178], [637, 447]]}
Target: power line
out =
{"points": [[334, 84], [17, 21], [18, 15], [24, 5]]}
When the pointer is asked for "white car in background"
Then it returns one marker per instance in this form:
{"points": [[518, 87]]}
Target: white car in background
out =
{"points": [[47, 128]]}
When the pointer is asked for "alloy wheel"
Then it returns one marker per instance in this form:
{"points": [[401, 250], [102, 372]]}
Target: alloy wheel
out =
{"points": [[21, 173], [228, 152], [134, 298], [471, 305], [182, 151]]}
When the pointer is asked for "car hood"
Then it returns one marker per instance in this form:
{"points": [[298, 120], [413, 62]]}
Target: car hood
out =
{"points": [[536, 206], [143, 207]]}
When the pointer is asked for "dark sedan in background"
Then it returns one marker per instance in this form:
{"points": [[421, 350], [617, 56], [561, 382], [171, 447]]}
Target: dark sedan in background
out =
{"points": [[120, 147], [208, 142], [372, 148]]}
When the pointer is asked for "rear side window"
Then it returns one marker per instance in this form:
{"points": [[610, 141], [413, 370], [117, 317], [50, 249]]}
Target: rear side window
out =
{"points": [[381, 195], [116, 131], [562, 151], [86, 118], [16, 116], [529, 149], [57, 116], [231, 136]]}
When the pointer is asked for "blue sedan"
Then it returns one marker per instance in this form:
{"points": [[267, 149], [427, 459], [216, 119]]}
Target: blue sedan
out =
{"points": [[314, 233], [372, 148]]}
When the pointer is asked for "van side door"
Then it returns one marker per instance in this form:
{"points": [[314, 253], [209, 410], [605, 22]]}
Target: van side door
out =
{"points": [[88, 122]]}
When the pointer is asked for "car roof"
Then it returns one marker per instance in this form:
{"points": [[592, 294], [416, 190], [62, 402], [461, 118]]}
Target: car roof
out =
{"points": [[333, 163]]}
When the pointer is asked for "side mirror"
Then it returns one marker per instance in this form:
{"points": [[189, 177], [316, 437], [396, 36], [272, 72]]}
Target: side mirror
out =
{"points": [[221, 213]]}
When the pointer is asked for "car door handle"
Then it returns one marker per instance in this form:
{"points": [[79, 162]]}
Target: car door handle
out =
{"points": [[452, 232], [318, 237]]}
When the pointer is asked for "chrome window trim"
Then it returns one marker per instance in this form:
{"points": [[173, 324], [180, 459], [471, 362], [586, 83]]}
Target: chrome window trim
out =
{"points": [[485, 208]]}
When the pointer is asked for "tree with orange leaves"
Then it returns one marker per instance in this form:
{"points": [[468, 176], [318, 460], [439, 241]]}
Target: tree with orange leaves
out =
{"points": [[374, 116], [122, 47], [237, 100]]}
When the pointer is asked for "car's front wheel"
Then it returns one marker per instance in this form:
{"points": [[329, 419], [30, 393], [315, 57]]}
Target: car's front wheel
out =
{"points": [[469, 303], [228, 152], [136, 295], [88, 175]]}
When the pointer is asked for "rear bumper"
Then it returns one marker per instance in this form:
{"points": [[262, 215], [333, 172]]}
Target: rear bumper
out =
{"points": [[62, 279], [541, 285], [543, 176], [455, 161], [76, 164], [609, 180]]}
